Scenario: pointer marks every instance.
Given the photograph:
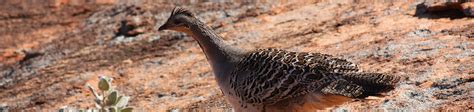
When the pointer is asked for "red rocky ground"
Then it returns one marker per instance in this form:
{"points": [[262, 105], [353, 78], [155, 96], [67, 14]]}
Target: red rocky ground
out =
{"points": [[48, 53]]}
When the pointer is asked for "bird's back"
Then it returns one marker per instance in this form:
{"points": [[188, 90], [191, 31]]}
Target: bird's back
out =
{"points": [[269, 77]]}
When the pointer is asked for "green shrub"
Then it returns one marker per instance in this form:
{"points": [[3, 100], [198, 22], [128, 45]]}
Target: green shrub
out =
{"points": [[107, 99]]}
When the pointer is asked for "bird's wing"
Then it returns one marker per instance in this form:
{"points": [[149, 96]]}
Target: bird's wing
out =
{"points": [[270, 75]]}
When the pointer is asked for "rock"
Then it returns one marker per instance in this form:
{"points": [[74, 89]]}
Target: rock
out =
{"points": [[427, 84], [446, 9], [421, 33], [128, 61], [137, 22], [448, 83], [148, 64], [468, 8], [59, 3], [105, 1]]}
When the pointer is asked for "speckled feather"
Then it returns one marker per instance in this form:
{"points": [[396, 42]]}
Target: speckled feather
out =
{"points": [[278, 80], [267, 76]]}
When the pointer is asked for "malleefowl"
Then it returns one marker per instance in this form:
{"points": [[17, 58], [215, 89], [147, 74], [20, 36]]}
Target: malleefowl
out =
{"points": [[278, 80]]}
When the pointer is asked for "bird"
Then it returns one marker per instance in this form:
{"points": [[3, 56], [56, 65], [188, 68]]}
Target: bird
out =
{"points": [[274, 80]]}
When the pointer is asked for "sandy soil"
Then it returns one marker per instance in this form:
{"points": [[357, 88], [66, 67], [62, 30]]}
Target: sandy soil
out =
{"points": [[48, 54]]}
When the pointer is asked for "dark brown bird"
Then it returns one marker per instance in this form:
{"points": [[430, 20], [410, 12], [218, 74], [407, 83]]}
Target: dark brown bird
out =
{"points": [[278, 80]]}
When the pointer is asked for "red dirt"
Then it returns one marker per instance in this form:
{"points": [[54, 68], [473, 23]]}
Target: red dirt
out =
{"points": [[48, 54]]}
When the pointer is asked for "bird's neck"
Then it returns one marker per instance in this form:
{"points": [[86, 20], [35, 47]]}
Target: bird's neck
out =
{"points": [[219, 54]]}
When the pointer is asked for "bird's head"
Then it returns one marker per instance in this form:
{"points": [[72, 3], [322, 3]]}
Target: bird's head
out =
{"points": [[178, 20]]}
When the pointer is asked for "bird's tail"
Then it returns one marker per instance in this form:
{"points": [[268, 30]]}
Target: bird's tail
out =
{"points": [[373, 83]]}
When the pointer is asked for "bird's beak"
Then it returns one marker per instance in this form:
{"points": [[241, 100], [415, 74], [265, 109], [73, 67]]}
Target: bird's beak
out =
{"points": [[163, 27]]}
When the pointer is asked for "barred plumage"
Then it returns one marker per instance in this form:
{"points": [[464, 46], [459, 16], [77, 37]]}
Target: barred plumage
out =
{"points": [[278, 80], [267, 76]]}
